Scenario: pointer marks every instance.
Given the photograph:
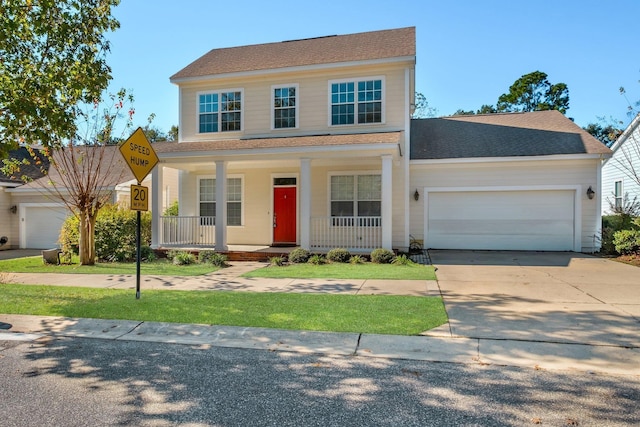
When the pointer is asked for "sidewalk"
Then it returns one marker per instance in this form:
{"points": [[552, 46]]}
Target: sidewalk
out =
{"points": [[437, 345]]}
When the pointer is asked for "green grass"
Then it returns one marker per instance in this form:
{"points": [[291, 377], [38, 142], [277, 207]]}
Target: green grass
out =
{"points": [[347, 271], [398, 315], [160, 267]]}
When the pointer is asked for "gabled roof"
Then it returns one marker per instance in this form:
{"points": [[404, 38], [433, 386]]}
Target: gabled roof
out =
{"points": [[373, 45], [30, 171], [539, 133]]}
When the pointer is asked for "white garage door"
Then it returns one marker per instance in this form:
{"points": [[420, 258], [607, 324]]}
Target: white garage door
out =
{"points": [[501, 220], [42, 226]]}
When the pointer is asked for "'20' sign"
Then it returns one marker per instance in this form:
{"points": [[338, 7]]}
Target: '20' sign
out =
{"points": [[139, 198]]}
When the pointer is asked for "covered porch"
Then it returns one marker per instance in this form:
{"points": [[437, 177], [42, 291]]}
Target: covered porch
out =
{"points": [[336, 192]]}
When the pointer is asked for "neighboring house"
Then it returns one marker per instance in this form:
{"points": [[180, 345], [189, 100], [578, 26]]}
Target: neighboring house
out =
{"points": [[516, 181], [35, 213], [310, 142], [621, 173]]}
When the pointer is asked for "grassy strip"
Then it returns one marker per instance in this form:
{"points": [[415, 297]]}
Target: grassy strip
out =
{"points": [[347, 271], [160, 267], [398, 315]]}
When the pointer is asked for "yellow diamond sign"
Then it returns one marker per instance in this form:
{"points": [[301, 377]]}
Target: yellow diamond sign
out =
{"points": [[139, 154]]}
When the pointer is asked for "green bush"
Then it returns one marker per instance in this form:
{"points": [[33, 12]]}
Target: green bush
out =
{"points": [[147, 254], [611, 224], [402, 260], [70, 235], [338, 255], [115, 233], [299, 255], [184, 258], [317, 259], [213, 258], [356, 259], [382, 256], [171, 254], [171, 210], [627, 241], [277, 261]]}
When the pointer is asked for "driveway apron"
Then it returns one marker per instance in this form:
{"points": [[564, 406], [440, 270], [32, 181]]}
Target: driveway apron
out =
{"points": [[556, 297]]}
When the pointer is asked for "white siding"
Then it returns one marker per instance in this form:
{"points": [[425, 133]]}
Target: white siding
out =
{"points": [[581, 173], [618, 167]]}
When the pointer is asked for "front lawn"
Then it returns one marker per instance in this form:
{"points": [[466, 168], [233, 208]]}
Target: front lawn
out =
{"points": [[347, 271], [374, 314], [160, 267]]}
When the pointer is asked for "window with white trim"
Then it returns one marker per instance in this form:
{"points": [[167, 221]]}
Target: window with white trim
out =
{"points": [[356, 102], [617, 194], [207, 201], [220, 111], [285, 106], [357, 195]]}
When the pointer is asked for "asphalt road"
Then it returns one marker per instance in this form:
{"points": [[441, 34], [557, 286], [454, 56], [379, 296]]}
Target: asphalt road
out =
{"points": [[94, 382]]}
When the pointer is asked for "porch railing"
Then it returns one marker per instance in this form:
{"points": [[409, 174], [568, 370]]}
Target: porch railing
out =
{"points": [[188, 230], [360, 233]]}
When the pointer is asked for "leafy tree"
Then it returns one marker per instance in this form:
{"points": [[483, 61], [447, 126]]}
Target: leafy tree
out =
{"points": [[53, 58], [172, 135], [422, 109], [461, 112], [487, 109], [534, 92], [606, 133], [154, 134]]}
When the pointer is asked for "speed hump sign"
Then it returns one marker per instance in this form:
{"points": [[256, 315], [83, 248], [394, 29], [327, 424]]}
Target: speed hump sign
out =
{"points": [[139, 198]]}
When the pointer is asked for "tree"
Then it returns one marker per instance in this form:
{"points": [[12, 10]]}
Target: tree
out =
{"points": [[53, 58], [606, 133], [83, 171], [422, 109], [172, 135], [533, 92]]}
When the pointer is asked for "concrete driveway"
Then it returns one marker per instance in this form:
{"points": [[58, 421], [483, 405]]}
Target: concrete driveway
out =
{"points": [[556, 297]]}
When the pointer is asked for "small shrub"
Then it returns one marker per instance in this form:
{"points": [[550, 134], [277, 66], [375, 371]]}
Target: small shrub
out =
{"points": [[277, 261], [184, 258], [401, 260], [317, 259], [147, 254], [213, 258], [299, 255], [171, 254], [338, 255], [356, 259], [382, 256], [627, 241]]}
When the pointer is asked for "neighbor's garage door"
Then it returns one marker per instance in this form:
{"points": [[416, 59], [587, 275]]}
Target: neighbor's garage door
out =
{"points": [[501, 220], [42, 226]]}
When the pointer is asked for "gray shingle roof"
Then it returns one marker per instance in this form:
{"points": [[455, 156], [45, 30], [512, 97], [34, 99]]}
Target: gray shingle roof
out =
{"points": [[31, 171], [539, 133], [321, 50]]}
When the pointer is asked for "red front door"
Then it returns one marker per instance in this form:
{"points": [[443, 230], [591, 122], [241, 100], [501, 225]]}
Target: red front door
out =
{"points": [[284, 215]]}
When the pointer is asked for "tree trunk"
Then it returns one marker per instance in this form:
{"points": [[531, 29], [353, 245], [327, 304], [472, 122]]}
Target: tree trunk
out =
{"points": [[86, 244]]}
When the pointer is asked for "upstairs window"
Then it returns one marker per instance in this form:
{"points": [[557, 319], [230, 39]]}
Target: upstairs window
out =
{"points": [[285, 107], [356, 102], [220, 112]]}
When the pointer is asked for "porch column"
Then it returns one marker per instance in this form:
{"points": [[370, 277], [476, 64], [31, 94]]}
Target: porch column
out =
{"points": [[156, 205], [386, 208], [305, 203], [221, 205]]}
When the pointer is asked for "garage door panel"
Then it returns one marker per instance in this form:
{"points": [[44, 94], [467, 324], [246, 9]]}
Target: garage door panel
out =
{"points": [[515, 220], [42, 226]]}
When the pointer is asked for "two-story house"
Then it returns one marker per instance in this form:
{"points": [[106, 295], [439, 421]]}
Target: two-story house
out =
{"points": [[310, 143], [305, 141]]}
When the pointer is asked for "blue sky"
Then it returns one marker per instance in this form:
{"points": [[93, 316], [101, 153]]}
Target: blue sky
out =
{"points": [[468, 52]]}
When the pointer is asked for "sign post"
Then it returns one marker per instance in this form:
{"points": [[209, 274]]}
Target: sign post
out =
{"points": [[141, 158]]}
